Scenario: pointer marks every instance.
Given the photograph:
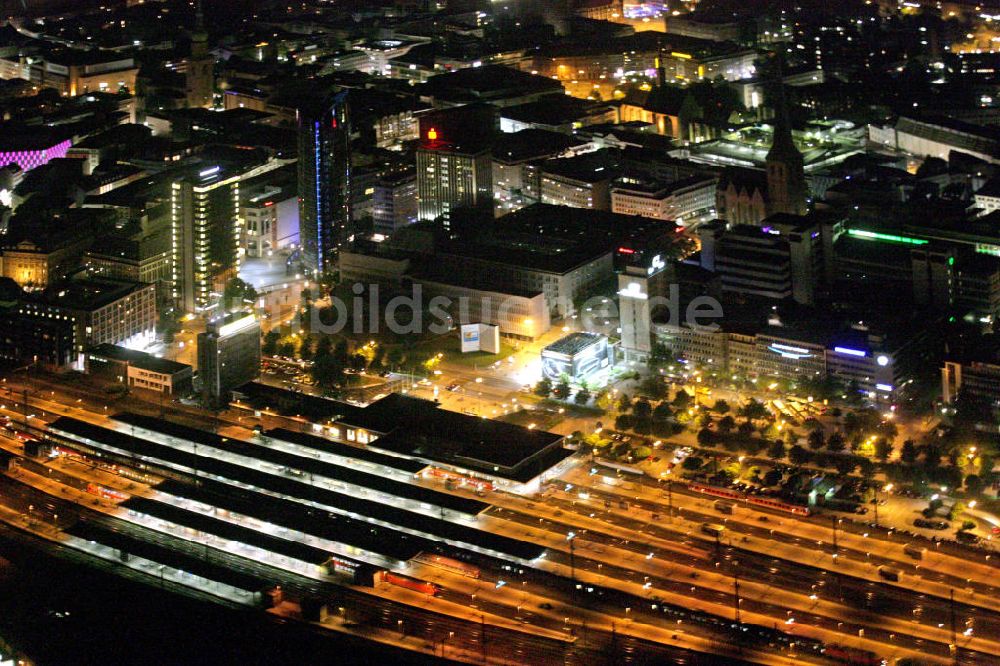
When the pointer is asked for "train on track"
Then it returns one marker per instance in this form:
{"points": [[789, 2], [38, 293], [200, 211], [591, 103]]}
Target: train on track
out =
{"points": [[753, 500]]}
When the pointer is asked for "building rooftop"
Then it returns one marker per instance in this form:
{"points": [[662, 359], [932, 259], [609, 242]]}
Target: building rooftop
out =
{"points": [[419, 428], [555, 111], [574, 343], [139, 359], [88, 294], [592, 167], [489, 82], [532, 144]]}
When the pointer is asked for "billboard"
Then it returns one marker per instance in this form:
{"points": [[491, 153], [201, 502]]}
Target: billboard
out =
{"points": [[480, 337], [470, 337]]}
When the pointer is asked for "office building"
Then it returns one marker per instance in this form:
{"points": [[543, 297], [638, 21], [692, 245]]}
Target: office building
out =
{"points": [[783, 259], [517, 165], [687, 201], [578, 356], [454, 162], [137, 369], [978, 380], [582, 181], [205, 235], [640, 289], [228, 355], [324, 180], [754, 342], [395, 201]]}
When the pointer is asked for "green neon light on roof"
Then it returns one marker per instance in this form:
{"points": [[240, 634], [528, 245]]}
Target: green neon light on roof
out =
{"points": [[889, 238]]}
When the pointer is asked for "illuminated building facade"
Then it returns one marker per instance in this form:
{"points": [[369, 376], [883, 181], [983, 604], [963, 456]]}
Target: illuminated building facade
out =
{"points": [[228, 355], [30, 157], [205, 234], [451, 176], [324, 178]]}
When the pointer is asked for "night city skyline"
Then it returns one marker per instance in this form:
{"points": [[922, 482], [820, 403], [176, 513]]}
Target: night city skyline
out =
{"points": [[500, 332]]}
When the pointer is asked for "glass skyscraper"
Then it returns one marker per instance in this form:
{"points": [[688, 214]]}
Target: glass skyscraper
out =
{"points": [[324, 169]]}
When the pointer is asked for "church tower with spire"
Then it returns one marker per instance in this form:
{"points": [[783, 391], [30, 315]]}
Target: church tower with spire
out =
{"points": [[200, 78], [787, 191]]}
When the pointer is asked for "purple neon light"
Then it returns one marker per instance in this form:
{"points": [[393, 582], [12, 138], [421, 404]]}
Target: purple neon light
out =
{"points": [[29, 159]]}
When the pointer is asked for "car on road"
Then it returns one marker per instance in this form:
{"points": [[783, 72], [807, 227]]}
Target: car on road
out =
{"points": [[452, 387]]}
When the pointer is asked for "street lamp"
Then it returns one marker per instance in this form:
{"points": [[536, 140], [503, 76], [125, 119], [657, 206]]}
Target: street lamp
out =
{"points": [[571, 537]]}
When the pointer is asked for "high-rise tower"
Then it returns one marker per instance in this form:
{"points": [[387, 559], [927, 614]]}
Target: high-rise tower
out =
{"points": [[200, 77], [324, 176]]}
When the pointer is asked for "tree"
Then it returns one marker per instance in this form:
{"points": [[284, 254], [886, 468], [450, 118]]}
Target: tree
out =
{"points": [[967, 525], [237, 294], [394, 357], [772, 478], [745, 428], [797, 455], [624, 422], [270, 346], [682, 399], [726, 424], [867, 468], [692, 463], [662, 413], [845, 464], [705, 420], [705, 436], [721, 406], [642, 409], [624, 403], [974, 484], [932, 456], [582, 396], [562, 389], [324, 346], [908, 454], [836, 443], [327, 371], [306, 348], [816, 440], [776, 451], [883, 449], [654, 387], [544, 387], [753, 410], [286, 349]]}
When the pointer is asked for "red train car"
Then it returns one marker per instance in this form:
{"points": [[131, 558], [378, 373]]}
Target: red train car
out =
{"points": [[853, 656], [410, 583]]}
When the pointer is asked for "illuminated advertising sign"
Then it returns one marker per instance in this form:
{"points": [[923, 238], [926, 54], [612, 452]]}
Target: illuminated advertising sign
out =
{"points": [[470, 338]]}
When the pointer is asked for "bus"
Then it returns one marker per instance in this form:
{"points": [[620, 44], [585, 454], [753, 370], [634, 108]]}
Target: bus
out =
{"points": [[914, 551], [889, 573], [723, 506], [712, 529]]}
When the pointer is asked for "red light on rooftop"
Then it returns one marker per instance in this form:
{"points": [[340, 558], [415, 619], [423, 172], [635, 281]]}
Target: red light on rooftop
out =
{"points": [[626, 250]]}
